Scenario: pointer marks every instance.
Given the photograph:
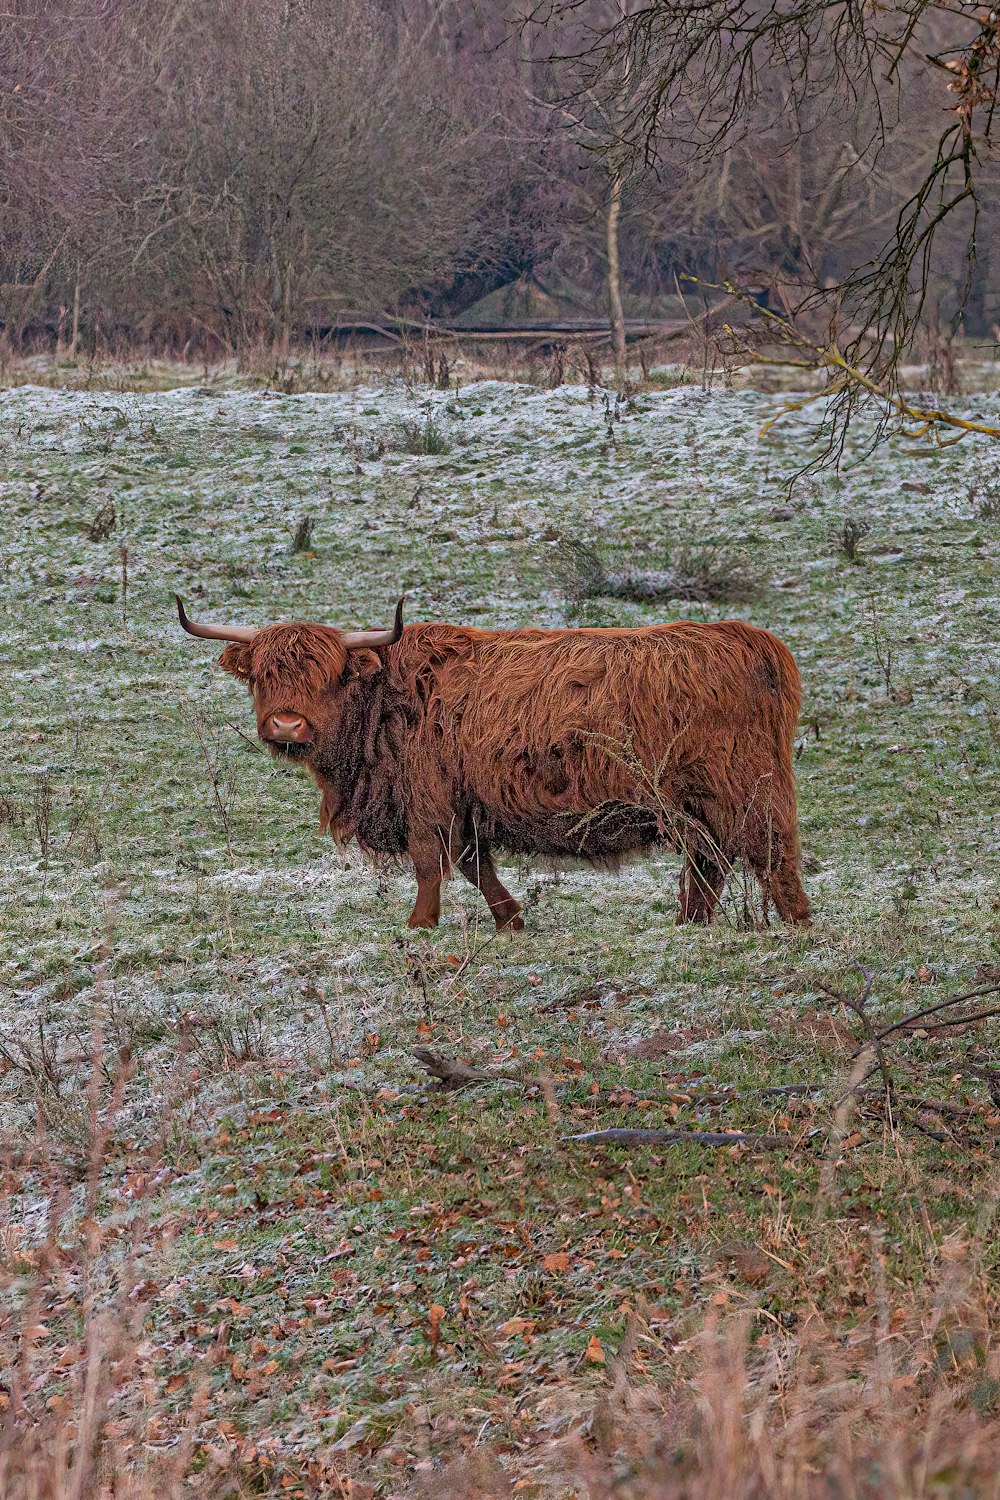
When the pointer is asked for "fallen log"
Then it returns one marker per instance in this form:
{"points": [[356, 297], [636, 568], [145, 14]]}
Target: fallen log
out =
{"points": [[624, 1137]]}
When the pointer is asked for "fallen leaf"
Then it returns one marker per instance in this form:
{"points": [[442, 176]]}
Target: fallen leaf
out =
{"points": [[434, 1325], [515, 1326], [750, 1264], [557, 1261], [595, 1354], [230, 1304]]}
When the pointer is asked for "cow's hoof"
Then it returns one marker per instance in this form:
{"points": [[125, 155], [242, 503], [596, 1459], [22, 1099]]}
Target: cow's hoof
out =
{"points": [[512, 924], [417, 921]]}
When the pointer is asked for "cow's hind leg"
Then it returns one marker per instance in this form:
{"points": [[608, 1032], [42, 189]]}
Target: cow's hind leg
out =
{"points": [[784, 885], [477, 866], [781, 881], [702, 880]]}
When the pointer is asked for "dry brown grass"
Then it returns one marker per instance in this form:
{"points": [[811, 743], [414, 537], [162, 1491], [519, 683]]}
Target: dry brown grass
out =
{"points": [[843, 1384], [82, 1415], [835, 1381], [901, 1406]]}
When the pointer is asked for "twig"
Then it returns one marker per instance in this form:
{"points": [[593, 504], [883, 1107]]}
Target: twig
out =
{"points": [[935, 1135], [123, 556], [453, 1074], [236, 730], [932, 1010], [979, 1015], [212, 772], [873, 1041], [942, 1107], [723, 1092]]}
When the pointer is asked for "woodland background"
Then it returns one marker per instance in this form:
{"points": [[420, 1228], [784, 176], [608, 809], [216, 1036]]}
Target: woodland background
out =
{"points": [[205, 177]]}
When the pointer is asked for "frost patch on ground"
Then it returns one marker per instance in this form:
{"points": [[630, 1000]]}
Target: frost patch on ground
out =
{"points": [[139, 812]]}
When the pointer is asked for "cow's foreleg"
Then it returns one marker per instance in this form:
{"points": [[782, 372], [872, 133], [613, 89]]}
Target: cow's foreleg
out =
{"points": [[430, 870], [477, 866], [702, 880]]}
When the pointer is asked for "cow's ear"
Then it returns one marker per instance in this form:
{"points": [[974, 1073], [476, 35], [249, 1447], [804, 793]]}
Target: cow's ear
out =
{"points": [[236, 660], [364, 663]]}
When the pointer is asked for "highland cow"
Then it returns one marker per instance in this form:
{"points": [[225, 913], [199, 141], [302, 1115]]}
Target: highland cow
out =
{"points": [[441, 744]]}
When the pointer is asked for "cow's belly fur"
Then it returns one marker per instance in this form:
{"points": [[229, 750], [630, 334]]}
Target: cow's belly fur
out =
{"points": [[606, 833]]}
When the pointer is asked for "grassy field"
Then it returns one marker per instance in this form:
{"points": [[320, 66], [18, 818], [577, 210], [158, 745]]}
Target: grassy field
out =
{"points": [[244, 1242]]}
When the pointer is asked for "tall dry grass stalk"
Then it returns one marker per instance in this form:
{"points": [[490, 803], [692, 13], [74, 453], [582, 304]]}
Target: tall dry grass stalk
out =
{"points": [[81, 1412], [903, 1405], [873, 1390]]}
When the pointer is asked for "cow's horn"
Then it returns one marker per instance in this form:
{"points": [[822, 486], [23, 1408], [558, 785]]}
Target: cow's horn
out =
{"points": [[357, 640], [244, 633]]}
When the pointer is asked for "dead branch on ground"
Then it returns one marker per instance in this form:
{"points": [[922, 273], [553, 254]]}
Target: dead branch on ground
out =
{"points": [[625, 1137]]}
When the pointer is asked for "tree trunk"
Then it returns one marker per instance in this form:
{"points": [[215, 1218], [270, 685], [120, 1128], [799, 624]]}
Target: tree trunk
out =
{"points": [[74, 338], [974, 313], [615, 312]]}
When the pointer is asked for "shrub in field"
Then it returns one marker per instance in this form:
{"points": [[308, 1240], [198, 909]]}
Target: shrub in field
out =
{"points": [[850, 536], [701, 573], [303, 534], [414, 436]]}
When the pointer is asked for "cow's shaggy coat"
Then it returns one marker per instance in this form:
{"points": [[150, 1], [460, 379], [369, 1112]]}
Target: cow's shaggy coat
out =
{"points": [[590, 744]]}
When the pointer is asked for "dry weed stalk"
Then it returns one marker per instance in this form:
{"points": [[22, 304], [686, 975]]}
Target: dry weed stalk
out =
{"points": [[78, 1416], [897, 1405]]}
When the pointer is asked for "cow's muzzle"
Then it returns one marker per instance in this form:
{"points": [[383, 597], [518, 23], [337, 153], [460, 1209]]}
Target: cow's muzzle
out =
{"points": [[287, 729]]}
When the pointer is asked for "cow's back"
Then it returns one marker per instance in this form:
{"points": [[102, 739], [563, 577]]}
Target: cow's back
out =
{"points": [[539, 725]]}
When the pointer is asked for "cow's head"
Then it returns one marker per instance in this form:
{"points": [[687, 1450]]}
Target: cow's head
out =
{"points": [[293, 673]]}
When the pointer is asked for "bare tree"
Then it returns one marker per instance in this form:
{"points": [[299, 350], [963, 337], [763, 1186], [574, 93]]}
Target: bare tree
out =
{"points": [[221, 175], [248, 171], [705, 74]]}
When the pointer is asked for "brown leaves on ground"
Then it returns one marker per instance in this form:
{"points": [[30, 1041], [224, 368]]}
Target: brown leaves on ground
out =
{"points": [[662, 1043], [818, 1026], [787, 1416], [747, 1263]]}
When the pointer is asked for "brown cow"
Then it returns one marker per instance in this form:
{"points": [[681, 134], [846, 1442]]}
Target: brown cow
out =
{"points": [[441, 744]]}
